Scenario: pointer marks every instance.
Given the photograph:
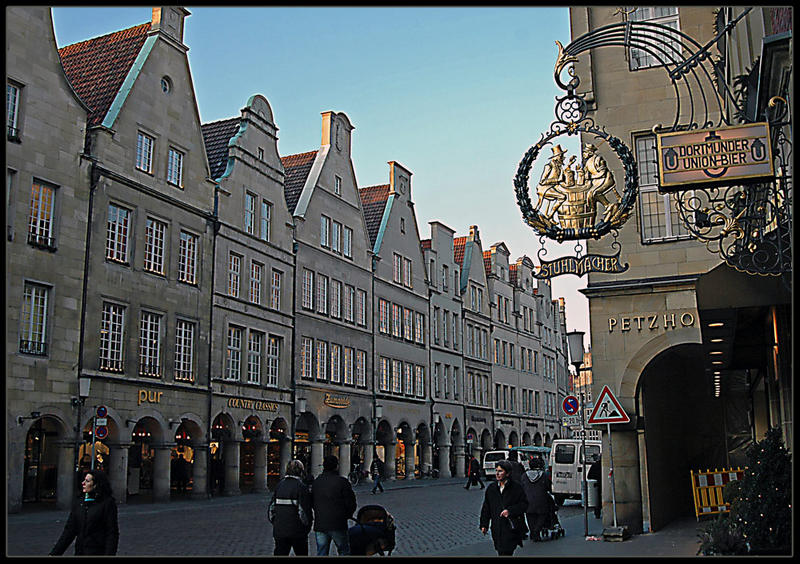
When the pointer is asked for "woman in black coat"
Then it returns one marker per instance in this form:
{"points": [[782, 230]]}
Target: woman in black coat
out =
{"points": [[92, 523], [504, 506], [290, 512], [541, 506]]}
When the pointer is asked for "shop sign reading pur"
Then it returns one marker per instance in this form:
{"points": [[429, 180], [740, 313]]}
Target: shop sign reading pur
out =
{"points": [[725, 155]]}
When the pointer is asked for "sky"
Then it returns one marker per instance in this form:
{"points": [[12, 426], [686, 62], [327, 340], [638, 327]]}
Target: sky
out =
{"points": [[456, 95]]}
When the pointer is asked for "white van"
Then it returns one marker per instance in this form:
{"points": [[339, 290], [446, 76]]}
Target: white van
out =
{"points": [[521, 454], [567, 463], [490, 459]]}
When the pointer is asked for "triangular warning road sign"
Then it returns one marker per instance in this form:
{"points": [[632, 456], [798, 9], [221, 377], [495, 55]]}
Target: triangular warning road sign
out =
{"points": [[607, 409]]}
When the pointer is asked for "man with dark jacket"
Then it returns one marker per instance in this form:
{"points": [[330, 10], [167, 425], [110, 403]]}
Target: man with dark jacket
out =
{"points": [[596, 473], [503, 507], [541, 506], [377, 473], [290, 512], [334, 502], [517, 470], [473, 473]]}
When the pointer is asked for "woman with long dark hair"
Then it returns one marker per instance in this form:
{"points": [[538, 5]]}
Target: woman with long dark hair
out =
{"points": [[92, 523]]}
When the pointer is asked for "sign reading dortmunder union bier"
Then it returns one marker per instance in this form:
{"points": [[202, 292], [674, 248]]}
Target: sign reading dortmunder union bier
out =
{"points": [[725, 155]]}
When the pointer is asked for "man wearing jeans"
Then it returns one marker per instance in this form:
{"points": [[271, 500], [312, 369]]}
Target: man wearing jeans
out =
{"points": [[334, 503]]}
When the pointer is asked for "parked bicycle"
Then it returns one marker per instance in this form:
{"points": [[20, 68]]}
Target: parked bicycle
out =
{"points": [[432, 473], [358, 475]]}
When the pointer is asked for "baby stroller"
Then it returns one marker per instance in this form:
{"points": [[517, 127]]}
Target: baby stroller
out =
{"points": [[552, 528], [374, 532]]}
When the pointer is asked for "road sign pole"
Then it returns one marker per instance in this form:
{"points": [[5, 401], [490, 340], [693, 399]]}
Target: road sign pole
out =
{"points": [[583, 468], [94, 439], [611, 465]]}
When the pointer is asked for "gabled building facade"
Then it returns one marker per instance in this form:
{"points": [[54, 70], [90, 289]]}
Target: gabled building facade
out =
{"points": [[400, 308], [332, 301], [251, 347], [446, 343], [47, 199], [147, 314]]}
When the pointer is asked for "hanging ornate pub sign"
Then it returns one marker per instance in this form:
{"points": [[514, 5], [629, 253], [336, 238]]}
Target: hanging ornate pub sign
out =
{"points": [[577, 201]]}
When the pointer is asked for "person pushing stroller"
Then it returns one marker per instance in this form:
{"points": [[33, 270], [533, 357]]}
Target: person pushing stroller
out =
{"points": [[541, 505]]}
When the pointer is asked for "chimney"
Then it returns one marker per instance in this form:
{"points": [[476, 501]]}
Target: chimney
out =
{"points": [[399, 180], [169, 21], [336, 130], [473, 234]]}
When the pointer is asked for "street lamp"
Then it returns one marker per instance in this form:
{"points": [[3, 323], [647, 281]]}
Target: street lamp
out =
{"points": [[575, 343], [84, 386]]}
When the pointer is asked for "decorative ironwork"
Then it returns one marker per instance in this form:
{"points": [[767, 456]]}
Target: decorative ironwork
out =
{"points": [[749, 226]]}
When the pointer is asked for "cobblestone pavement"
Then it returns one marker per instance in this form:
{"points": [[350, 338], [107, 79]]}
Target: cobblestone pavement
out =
{"points": [[432, 516]]}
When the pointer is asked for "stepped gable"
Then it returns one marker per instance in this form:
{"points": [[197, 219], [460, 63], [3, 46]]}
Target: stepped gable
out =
{"points": [[296, 168], [96, 68], [373, 202], [216, 136]]}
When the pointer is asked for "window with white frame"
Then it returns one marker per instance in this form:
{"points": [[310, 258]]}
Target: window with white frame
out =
{"points": [[322, 294], [33, 325], [234, 353], [256, 270], [397, 268], [306, 358], [308, 289], [175, 167], [41, 224], [117, 233], [658, 217], [337, 185], [397, 377], [407, 280], [275, 292], [420, 380], [266, 220], [154, 237], [347, 243], [455, 383], [273, 360], [408, 324], [187, 258], [234, 274], [361, 307], [144, 152], [250, 213], [322, 360], [663, 15], [419, 328], [150, 344], [361, 369], [348, 366], [408, 379], [383, 381], [255, 344], [12, 110], [112, 326], [446, 381], [336, 364], [383, 316], [437, 369], [184, 350], [336, 237], [336, 299], [349, 298], [445, 327], [435, 324], [325, 231], [397, 321], [445, 277]]}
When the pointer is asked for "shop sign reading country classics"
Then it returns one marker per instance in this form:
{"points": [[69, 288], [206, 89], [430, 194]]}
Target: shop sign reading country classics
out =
{"points": [[569, 195], [722, 155]]}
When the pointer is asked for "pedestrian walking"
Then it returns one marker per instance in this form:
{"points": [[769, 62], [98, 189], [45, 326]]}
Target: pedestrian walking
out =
{"points": [[541, 506], [377, 473], [474, 473], [334, 502], [290, 512], [517, 470], [92, 523], [596, 473], [503, 509]]}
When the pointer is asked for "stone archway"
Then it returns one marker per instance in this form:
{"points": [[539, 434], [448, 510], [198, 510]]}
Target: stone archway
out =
{"points": [[457, 451], [422, 438], [308, 443], [224, 453], [537, 439], [252, 456], [405, 452], [279, 451], [44, 461], [149, 460], [513, 439], [500, 440]]}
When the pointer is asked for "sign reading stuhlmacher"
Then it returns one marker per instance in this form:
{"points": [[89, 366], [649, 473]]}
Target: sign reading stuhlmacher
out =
{"points": [[725, 155]]}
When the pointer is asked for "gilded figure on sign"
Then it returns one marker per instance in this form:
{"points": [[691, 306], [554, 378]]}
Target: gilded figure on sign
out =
{"points": [[575, 192]]}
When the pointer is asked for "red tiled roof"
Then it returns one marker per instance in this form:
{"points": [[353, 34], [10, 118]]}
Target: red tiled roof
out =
{"points": [[373, 202], [512, 274], [487, 262], [297, 168], [97, 67], [425, 243], [216, 136], [459, 243]]}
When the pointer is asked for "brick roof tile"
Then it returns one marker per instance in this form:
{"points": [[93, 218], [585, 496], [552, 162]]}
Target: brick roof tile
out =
{"points": [[97, 67], [459, 243], [373, 202], [216, 136], [297, 168]]}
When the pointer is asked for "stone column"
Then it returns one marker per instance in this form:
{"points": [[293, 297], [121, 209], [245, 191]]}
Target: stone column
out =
{"points": [[389, 464], [231, 455], [426, 459], [344, 458], [627, 484], [368, 456], [161, 472], [444, 461], [316, 457], [477, 451], [285, 446], [118, 470], [260, 468], [200, 472], [410, 460], [65, 486], [460, 461]]}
